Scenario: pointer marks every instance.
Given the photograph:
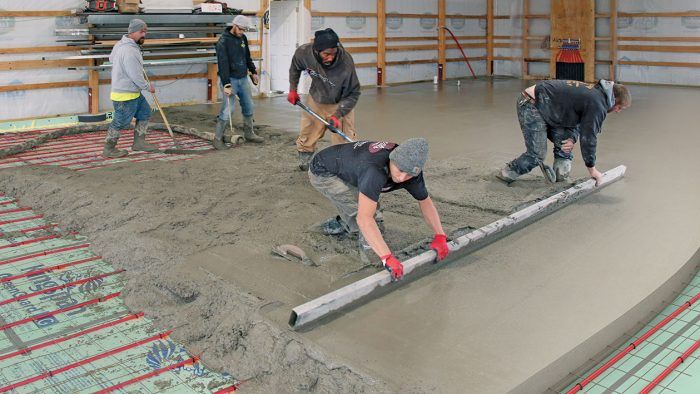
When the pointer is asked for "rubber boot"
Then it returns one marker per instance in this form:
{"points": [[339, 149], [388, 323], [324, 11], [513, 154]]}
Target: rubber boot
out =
{"points": [[507, 175], [548, 173], [334, 226], [249, 132], [304, 159], [110, 150], [562, 168], [219, 135], [140, 144]]}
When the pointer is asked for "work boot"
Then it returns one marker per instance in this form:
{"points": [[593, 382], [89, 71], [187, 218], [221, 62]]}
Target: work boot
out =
{"points": [[548, 173], [562, 168], [110, 150], [507, 175], [218, 141], [333, 226], [249, 132], [140, 143], [304, 159]]}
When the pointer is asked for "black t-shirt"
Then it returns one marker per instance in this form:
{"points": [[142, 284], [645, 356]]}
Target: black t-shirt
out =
{"points": [[572, 104], [365, 165]]}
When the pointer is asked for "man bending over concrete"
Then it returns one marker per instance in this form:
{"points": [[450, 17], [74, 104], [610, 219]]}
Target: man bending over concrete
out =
{"points": [[564, 112], [334, 91], [127, 83], [354, 175]]}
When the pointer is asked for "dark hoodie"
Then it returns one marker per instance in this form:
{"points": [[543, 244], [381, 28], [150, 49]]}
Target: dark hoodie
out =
{"points": [[233, 56], [335, 84], [574, 104]]}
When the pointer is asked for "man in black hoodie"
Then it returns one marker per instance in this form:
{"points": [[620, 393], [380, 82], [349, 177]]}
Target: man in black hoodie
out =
{"points": [[233, 56], [334, 91], [564, 112]]}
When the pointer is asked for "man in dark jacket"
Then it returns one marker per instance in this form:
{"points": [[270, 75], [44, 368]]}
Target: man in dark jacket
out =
{"points": [[354, 175], [334, 91], [233, 56], [564, 112]]}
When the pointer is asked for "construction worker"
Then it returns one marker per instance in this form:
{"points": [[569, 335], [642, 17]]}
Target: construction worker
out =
{"points": [[334, 91], [564, 112], [233, 57], [127, 83], [353, 176]]}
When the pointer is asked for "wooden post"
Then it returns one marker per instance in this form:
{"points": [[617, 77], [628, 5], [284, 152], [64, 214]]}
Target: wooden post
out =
{"points": [[307, 5], [364, 289], [573, 19], [93, 89], [613, 39], [525, 51], [212, 82], [442, 56], [381, 42], [489, 37]]}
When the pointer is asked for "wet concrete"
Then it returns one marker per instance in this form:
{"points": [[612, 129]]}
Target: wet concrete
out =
{"points": [[488, 322]]}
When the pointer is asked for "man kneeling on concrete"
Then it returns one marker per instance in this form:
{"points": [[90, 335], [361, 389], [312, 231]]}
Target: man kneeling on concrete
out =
{"points": [[563, 112], [127, 83], [354, 175]]}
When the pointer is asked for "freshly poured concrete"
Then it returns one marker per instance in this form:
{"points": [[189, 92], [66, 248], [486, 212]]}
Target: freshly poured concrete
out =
{"points": [[492, 320], [489, 321]]}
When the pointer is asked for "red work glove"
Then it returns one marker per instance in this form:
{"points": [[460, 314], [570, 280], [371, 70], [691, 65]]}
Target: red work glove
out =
{"points": [[334, 122], [393, 265], [293, 97], [439, 245]]}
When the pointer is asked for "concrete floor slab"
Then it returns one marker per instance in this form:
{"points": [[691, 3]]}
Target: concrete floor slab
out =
{"points": [[492, 320]]}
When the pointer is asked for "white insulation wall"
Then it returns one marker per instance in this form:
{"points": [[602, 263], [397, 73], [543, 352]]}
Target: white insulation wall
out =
{"points": [[23, 32], [626, 26]]}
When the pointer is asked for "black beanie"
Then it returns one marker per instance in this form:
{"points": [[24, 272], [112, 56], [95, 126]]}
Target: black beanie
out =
{"points": [[324, 39]]}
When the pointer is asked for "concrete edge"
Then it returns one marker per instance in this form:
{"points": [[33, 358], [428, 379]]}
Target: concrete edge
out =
{"points": [[567, 368]]}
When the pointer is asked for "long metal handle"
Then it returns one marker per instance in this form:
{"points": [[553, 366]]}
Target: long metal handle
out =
{"points": [[324, 121]]}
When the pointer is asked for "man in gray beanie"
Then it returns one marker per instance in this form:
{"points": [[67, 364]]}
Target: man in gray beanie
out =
{"points": [[127, 83], [354, 175]]}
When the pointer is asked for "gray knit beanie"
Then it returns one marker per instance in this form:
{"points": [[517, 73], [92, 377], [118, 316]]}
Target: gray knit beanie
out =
{"points": [[410, 156], [136, 25]]}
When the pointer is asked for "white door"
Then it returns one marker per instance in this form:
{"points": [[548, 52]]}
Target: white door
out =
{"points": [[284, 16]]}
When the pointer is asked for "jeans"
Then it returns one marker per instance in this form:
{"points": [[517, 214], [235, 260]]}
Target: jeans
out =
{"points": [[342, 195], [241, 88], [536, 132], [124, 111]]}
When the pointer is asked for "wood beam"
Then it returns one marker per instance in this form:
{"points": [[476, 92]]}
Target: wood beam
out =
{"points": [[660, 48], [212, 82], [168, 77], [34, 64], [46, 49], [613, 40], [93, 89], [525, 47], [659, 64], [659, 39], [381, 42], [50, 85], [489, 37], [442, 64], [344, 14]]}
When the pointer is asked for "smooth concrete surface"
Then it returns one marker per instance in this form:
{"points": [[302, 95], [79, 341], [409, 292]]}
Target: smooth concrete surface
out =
{"points": [[489, 322]]}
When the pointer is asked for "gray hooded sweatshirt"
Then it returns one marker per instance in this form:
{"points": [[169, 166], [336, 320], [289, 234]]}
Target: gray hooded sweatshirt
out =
{"points": [[127, 69], [335, 84]]}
